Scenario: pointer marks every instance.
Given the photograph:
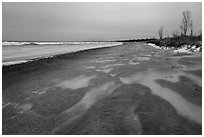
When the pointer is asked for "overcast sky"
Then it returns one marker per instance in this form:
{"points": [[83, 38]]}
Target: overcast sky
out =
{"points": [[93, 21]]}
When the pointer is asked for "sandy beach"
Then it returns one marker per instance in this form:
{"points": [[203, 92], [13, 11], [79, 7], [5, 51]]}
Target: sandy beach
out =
{"points": [[128, 89]]}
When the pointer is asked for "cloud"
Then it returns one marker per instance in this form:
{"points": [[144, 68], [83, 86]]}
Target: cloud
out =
{"points": [[95, 21]]}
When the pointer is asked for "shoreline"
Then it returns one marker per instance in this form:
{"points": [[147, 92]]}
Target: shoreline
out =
{"points": [[18, 58], [44, 60], [41, 61]]}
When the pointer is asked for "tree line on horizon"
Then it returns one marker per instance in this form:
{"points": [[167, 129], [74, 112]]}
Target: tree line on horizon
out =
{"points": [[185, 27]]}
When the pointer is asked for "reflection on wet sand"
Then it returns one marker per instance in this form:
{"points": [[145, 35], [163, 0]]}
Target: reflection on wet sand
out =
{"points": [[86, 102], [183, 107], [76, 83]]}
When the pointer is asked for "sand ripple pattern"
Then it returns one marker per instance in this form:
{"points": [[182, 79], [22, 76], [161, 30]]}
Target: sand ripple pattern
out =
{"points": [[79, 109], [183, 107]]}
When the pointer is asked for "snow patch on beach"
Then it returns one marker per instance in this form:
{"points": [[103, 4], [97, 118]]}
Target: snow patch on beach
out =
{"points": [[158, 47], [187, 49], [90, 67], [76, 83], [153, 45], [183, 49], [105, 70]]}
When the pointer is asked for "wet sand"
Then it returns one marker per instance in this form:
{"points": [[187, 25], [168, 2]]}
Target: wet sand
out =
{"points": [[128, 89]]}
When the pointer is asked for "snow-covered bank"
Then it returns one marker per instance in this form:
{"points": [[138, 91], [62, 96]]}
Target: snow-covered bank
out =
{"points": [[187, 49], [182, 49]]}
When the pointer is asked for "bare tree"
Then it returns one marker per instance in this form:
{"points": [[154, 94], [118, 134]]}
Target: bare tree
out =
{"points": [[160, 32], [185, 22], [191, 27], [181, 27]]}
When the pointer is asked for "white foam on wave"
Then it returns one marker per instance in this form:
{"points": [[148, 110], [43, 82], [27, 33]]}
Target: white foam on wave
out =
{"points": [[18, 43], [14, 62], [15, 43]]}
